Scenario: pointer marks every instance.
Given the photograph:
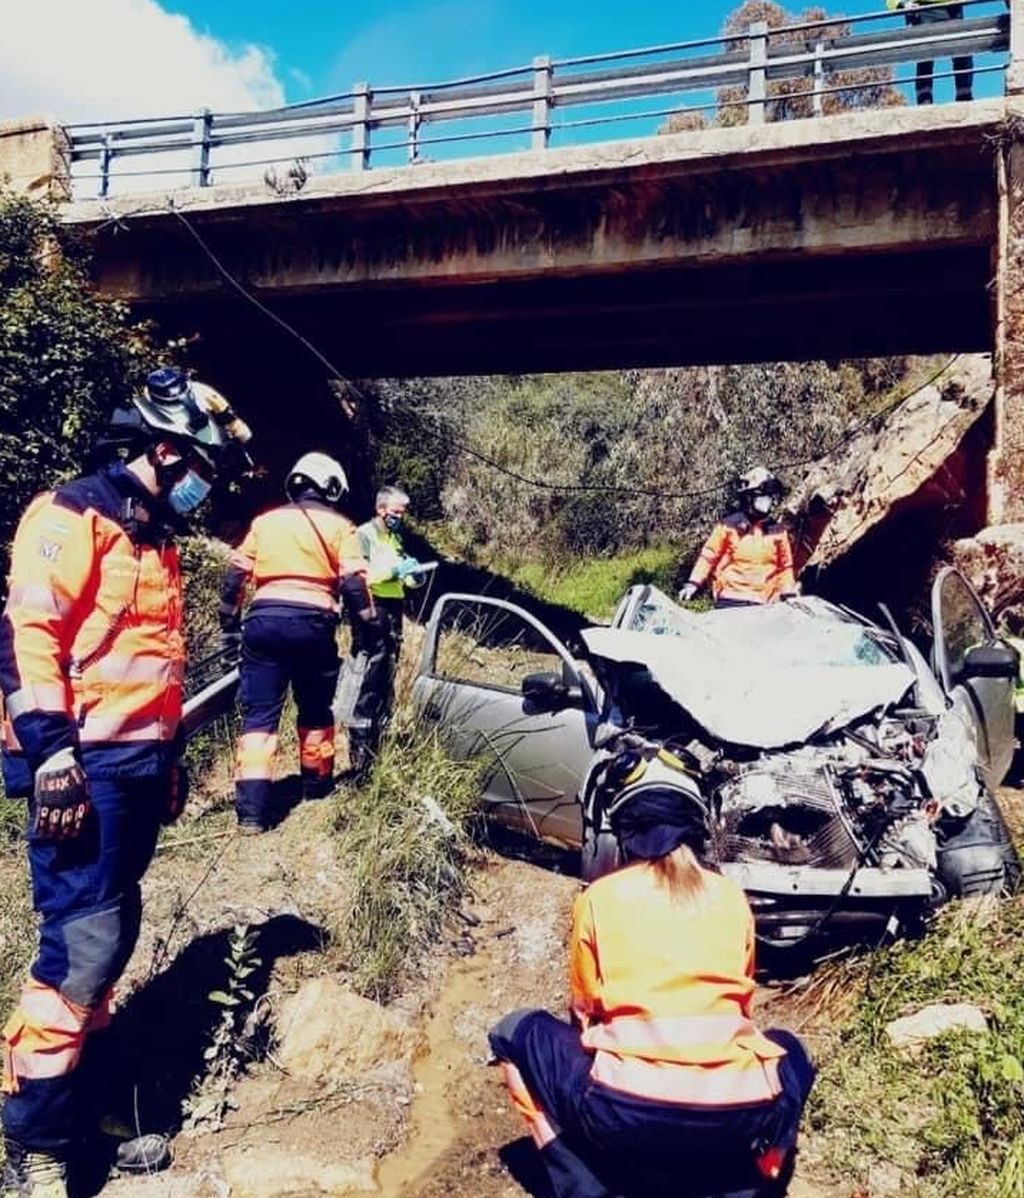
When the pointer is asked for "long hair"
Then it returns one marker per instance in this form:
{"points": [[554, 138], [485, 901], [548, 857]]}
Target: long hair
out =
{"points": [[682, 874]]}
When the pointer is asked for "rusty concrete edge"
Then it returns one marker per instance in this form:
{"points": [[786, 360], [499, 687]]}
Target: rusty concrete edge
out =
{"points": [[890, 130]]}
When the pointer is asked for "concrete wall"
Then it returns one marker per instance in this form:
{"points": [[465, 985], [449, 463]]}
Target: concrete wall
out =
{"points": [[34, 158]]}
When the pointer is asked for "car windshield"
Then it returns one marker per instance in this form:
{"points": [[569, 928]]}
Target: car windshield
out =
{"points": [[759, 676]]}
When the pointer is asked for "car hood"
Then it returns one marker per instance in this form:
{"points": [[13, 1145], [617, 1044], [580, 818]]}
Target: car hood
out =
{"points": [[759, 676]]}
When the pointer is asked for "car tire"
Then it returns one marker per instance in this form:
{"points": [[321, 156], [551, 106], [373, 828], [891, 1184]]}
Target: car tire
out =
{"points": [[976, 855], [599, 853]]}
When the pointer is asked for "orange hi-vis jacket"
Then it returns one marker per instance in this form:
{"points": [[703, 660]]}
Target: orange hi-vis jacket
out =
{"points": [[746, 561], [663, 991], [299, 553], [92, 651]]}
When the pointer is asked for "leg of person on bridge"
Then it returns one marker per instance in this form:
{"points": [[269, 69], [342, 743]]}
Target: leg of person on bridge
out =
{"points": [[963, 65]]}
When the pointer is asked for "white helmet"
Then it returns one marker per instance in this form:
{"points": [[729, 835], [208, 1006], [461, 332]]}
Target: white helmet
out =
{"points": [[319, 471]]}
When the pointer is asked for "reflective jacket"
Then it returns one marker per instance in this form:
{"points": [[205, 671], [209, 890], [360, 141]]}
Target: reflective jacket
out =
{"points": [[382, 549], [663, 991], [297, 554], [92, 651], [746, 561]]}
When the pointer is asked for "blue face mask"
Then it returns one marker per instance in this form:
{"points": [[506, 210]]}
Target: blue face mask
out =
{"points": [[392, 523], [188, 492]]}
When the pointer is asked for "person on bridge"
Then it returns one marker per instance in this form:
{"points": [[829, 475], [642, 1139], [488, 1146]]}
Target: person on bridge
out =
{"points": [[91, 667], [377, 625], [748, 557], [662, 1075], [301, 556], [937, 13]]}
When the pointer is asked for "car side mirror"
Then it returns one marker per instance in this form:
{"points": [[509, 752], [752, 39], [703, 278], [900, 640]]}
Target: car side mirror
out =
{"points": [[547, 692], [995, 660]]}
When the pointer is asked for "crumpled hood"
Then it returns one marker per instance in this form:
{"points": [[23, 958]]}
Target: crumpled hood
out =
{"points": [[759, 676]]}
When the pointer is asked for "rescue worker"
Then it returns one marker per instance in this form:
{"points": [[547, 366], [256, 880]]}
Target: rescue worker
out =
{"points": [[747, 558], [299, 557], [91, 668], [937, 14], [377, 625], [662, 1074]]}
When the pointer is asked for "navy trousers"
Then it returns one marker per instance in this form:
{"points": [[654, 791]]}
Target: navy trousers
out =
{"points": [[89, 902], [598, 1143]]}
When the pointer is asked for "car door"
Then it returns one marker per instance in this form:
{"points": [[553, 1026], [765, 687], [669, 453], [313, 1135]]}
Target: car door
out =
{"points": [[977, 670], [477, 652]]}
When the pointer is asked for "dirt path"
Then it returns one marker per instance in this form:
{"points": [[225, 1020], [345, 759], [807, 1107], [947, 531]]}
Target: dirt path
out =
{"points": [[446, 1127]]}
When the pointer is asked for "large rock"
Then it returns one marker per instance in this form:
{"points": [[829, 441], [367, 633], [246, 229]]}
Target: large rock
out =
{"points": [[993, 563], [278, 1173], [328, 1033], [934, 1020]]}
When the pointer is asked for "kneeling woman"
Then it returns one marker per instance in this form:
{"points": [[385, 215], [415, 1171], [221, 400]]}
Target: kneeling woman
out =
{"points": [[663, 1077]]}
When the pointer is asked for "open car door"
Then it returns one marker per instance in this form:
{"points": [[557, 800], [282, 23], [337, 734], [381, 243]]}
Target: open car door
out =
{"points": [[977, 669], [536, 748]]}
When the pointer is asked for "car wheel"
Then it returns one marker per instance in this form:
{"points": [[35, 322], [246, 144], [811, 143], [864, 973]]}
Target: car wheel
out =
{"points": [[599, 853]]}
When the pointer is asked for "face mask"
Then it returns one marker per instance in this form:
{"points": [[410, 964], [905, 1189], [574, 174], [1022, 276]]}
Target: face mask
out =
{"points": [[188, 492], [763, 504], [392, 523]]}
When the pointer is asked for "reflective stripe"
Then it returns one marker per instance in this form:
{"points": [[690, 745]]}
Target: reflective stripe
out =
{"points": [[731, 1084], [38, 696], [128, 726], [316, 751], [119, 667], [540, 1128], [43, 1037], [651, 1036], [34, 596], [295, 590], [254, 761]]}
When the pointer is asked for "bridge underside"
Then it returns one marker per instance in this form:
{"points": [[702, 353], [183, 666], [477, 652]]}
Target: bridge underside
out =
{"points": [[883, 303], [853, 236]]}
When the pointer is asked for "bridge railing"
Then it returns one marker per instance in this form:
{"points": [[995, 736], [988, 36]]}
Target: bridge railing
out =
{"points": [[751, 77]]}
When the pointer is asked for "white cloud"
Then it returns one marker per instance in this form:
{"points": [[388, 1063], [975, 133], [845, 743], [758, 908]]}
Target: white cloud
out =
{"points": [[80, 61], [90, 60]]}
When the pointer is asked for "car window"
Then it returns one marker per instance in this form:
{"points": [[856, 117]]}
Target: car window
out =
{"points": [[964, 623], [485, 645]]}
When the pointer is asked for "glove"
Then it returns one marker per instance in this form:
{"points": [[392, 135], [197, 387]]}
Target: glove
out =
{"points": [[177, 792], [231, 643], [687, 592], [407, 566], [61, 794]]}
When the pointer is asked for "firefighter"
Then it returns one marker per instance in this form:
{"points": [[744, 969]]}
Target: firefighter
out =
{"points": [[377, 624], [937, 13], [91, 667], [662, 1074], [299, 556], [748, 557]]}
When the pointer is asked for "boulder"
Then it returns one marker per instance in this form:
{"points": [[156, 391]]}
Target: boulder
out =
{"points": [[279, 1173], [328, 1033], [992, 561], [933, 1021]]}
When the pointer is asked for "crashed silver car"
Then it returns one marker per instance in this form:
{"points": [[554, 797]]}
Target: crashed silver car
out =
{"points": [[848, 780]]}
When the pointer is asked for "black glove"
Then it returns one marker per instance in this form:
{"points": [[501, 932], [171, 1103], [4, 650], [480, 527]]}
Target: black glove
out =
{"points": [[231, 643], [61, 798], [177, 792]]}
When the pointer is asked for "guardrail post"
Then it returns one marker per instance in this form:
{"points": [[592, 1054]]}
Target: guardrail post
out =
{"points": [[361, 129], [540, 120], [757, 85], [201, 123], [415, 120], [1015, 68], [817, 96], [106, 156]]}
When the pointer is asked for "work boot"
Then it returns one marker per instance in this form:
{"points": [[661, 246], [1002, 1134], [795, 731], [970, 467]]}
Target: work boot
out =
{"points": [[30, 1174]]}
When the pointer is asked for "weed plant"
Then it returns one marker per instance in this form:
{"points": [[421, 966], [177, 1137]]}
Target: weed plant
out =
{"points": [[594, 585], [947, 1118], [407, 842]]}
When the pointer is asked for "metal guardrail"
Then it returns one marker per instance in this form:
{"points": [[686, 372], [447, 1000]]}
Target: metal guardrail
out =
{"points": [[738, 77]]}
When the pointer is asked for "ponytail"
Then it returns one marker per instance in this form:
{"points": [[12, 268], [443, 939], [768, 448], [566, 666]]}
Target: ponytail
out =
{"points": [[682, 874]]}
